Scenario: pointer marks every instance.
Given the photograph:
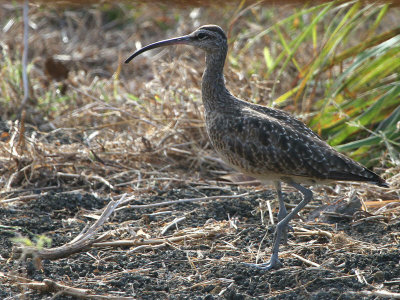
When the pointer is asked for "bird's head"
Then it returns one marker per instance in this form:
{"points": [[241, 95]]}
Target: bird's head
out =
{"points": [[210, 38]]}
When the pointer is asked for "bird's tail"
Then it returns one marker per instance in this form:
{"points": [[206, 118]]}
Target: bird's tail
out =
{"points": [[376, 179], [380, 182], [366, 176]]}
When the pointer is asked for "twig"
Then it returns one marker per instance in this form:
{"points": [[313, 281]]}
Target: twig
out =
{"points": [[15, 174], [160, 213], [360, 276], [21, 198], [173, 223], [312, 232], [45, 188], [82, 241], [177, 201], [287, 291], [308, 262], [371, 218], [259, 247], [145, 247], [87, 178], [216, 281], [392, 282], [138, 242], [340, 277], [271, 216], [149, 179], [379, 293], [381, 204], [51, 286]]}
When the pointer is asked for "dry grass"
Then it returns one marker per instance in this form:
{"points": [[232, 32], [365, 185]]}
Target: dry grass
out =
{"points": [[108, 126], [89, 124], [125, 124]]}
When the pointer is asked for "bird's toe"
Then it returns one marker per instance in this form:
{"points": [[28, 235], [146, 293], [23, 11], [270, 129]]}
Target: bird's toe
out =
{"points": [[273, 263]]}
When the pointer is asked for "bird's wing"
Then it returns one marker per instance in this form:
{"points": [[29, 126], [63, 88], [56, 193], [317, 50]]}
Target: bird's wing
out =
{"points": [[265, 144], [284, 117]]}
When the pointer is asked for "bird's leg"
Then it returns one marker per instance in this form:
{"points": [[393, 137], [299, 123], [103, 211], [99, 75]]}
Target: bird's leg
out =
{"points": [[282, 211], [282, 208], [282, 225]]}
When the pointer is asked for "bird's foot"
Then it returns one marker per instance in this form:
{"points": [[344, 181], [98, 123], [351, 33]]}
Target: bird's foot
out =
{"points": [[273, 263]]}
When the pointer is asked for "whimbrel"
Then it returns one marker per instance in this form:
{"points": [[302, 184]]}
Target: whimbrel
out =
{"points": [[262, 142]]}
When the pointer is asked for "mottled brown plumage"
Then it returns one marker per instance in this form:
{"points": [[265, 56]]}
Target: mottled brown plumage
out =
{"points": [[265, 143]]}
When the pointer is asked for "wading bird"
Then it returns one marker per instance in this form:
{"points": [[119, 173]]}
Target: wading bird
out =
{"points": [[262, 142]]}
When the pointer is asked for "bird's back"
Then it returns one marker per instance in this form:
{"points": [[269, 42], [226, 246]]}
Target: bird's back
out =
{"points": [[270, 144]]}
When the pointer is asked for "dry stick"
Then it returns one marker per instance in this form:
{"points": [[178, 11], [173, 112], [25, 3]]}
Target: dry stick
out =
{"points": [[30, 190], [35, 196], [144, 247], [360, 276], [150, 179], [392, 282], [15, 174], [367, 219], [216, 281], [81, 242], [271, 217], [20, 198], [177, 201], [258, 255], [303, 286], [389, 210], [174, 222], [139, 242], [379, 293], [312, 232], [309, 262], [87, 178], [159, 213], [51, 286]]}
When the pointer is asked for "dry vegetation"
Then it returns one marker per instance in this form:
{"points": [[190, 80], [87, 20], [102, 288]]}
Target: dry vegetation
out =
{"points": [[93, 125]]}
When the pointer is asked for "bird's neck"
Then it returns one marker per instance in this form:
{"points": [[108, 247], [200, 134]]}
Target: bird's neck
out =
{"points": [[214, 93]]}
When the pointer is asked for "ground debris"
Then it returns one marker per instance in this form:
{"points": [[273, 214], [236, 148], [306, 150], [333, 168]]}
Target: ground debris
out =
{"points": [[205, 252]]}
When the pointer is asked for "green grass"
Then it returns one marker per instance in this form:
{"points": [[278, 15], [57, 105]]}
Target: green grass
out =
{"points": [[349, 87]]}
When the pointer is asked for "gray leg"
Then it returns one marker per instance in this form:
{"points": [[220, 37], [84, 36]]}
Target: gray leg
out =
{"points": [[282, 225], [282, 210]]}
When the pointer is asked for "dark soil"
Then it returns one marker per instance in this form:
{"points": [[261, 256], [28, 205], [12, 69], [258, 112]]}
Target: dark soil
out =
{"points": [[355, 260]]}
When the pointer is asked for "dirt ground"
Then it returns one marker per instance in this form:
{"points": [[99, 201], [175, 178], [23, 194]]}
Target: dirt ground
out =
{"points": [[349, 259]]}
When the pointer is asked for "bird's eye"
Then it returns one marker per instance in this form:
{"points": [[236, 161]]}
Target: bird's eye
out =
{"points": [[202, 36]]}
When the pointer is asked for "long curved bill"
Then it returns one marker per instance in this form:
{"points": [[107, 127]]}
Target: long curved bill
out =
{"points": [[179, 40]]}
